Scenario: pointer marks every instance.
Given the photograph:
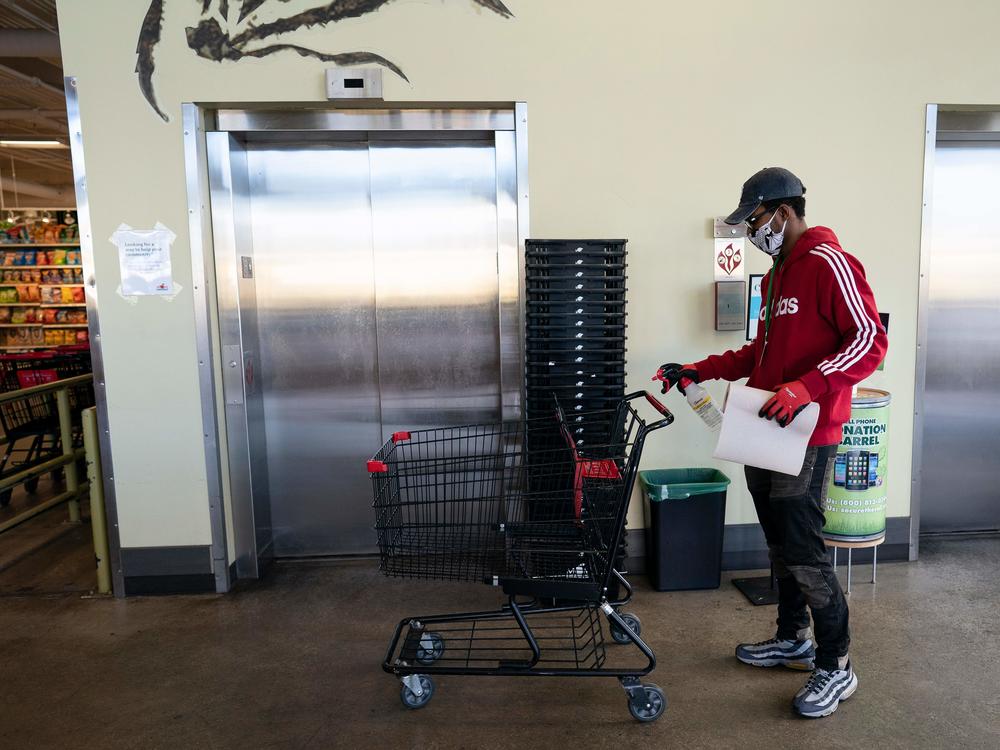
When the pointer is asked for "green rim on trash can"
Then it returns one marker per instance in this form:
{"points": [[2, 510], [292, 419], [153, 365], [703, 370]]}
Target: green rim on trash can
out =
{"points": [[681, 484]]}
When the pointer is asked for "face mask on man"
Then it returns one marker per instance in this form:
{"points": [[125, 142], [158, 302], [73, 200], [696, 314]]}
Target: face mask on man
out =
{"points": [[767, 239]]}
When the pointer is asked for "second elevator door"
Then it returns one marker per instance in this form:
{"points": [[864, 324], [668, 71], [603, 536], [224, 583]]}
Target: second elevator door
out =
{"points": [[378, 303]]}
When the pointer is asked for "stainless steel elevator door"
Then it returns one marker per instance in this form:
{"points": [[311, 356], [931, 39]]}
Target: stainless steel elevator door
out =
{"points": [[959, 489], [312, 238], [378, 306], [434, 216]]}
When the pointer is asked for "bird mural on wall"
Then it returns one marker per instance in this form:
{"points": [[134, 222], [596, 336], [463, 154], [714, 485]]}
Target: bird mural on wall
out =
{"points": [[219, 37]]}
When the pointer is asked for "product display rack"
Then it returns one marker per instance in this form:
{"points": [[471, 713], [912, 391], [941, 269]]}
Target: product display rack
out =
{"points": [[42, 301]]}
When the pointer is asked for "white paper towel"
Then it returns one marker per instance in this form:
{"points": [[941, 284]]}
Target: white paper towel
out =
{"points": [[748, 439]]}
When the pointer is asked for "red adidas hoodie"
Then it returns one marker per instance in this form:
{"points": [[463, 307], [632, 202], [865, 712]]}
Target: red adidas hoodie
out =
{"points": [[825, 331]]}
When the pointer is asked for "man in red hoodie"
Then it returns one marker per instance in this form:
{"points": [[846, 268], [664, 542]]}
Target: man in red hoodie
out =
{"points": [[819, 335]]}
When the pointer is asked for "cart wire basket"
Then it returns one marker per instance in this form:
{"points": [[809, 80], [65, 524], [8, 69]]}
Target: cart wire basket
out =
{"points": [[525, 507]]}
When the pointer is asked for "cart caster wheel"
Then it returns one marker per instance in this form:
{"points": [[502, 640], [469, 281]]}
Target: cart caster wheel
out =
{"points": [[31, 486], [5, 497], [412, 700], [656, 704], [633, 623], [430, 649]]}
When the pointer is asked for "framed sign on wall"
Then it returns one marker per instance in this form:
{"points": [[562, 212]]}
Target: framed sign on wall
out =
{"points": [[754, 305]]}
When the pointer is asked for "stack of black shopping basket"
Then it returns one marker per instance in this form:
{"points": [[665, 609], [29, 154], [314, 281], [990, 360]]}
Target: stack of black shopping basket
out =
{"points": [[536, 507], [575, 329], [575, 337]]}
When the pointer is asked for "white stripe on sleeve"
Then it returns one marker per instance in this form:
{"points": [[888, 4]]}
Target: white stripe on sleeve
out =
{"points": [[867, 329]]}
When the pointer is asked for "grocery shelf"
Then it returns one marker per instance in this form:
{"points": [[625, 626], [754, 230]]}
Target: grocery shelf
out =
{"points": [[43, 325], [20, 304], [20, 325], [48, 268], [46, 304], [26, 245]]}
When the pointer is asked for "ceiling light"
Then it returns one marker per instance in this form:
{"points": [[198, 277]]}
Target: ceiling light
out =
{"points": [[32, 144]]}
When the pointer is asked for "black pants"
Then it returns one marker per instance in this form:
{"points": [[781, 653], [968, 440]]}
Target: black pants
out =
{"points": [[790, 510]]}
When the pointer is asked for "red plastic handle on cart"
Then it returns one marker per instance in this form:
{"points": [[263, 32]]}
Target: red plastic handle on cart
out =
{"points": [[400, 436], [377, 467], [655, 403]]}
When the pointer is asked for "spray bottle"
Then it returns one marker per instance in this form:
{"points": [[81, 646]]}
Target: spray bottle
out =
{"points": [[701, 401]]}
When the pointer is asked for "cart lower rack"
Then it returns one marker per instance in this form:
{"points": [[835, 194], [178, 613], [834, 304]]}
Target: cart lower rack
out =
{"points": [[484, 503]]}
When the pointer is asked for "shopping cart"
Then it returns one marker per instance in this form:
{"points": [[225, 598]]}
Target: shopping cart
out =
{"points": [[523, 507], [31, 425]]}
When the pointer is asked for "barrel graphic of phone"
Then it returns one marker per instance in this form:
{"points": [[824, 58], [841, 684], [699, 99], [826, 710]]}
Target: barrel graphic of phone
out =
{"points": [[840, 470], [857, 471]]}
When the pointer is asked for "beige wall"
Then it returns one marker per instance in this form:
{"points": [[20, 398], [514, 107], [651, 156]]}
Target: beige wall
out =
{"points": [[643, 124]]}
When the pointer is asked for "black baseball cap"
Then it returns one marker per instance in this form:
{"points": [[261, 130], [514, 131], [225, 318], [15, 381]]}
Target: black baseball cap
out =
{"points": [[767, 185]]}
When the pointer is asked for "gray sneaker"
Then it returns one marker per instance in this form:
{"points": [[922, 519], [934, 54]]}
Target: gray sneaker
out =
{"points": [[774, 653], [824, 691]]}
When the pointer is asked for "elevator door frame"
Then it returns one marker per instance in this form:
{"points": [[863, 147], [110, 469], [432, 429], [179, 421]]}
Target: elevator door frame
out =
{"points": [[226, 450], [944, 123]]}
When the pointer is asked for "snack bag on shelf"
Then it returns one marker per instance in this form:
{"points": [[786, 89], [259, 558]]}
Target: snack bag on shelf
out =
{"points": [[31, 314], [4, 315], [42, 257], [50, 337], [58, 257], [8, 258], [66, 294], [34, 293], [82, 336], [62, 316], [73, 257], [23, 336], [78, 276], [79, 294], [36, 277], [48, 316], [29, 257], [17, 316], [37, 336]]}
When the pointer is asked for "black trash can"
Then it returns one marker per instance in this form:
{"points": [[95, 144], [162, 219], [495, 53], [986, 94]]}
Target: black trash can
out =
{"points": [[687, 515]]}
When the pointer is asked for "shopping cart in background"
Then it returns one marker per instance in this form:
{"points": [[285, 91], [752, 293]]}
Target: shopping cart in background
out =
{"points": [[31, 425], [523, 507]]}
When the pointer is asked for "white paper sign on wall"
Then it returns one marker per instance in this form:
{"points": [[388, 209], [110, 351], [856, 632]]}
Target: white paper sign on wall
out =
{"points": [[144, 259], [728, 258]]}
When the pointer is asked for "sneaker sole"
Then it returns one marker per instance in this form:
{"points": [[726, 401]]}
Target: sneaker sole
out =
{"points": [[848, 692], [799, 666]]}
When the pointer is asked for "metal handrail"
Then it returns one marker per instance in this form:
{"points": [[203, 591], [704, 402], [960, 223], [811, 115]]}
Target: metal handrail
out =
{"points": [[45, 387], [75, 489]]}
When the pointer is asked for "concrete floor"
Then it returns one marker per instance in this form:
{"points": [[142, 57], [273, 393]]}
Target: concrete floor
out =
{"points": [[294, 663], [46, 554]]}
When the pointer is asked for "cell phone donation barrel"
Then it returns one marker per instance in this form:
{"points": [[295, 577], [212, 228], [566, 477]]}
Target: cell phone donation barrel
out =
{"points": [[856, 496]]}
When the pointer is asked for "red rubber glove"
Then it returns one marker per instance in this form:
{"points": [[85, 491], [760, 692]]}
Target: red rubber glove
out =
{"points": [[786, 403], [672, 374]]}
